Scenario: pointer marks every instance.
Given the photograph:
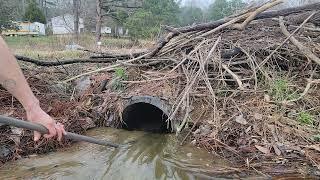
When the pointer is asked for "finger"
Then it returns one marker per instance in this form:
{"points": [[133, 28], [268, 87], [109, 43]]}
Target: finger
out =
{"points": [[59, 131], [63, 130], [36, 136], [52, 131]]}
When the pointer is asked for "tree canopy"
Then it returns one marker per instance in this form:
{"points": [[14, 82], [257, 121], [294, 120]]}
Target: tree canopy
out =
{"points": [[33, 13], [146, 22], [222, 8], [190, 14], [7, 15]]}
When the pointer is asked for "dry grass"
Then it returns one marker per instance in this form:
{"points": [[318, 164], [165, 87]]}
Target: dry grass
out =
{"points": [[54, 47]]}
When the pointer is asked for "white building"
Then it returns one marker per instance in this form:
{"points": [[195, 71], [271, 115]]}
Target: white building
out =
{"points": [[106, 30], [65, 24]]}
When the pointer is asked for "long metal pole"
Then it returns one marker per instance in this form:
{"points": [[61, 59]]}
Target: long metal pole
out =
{"points": [[40, 128]]}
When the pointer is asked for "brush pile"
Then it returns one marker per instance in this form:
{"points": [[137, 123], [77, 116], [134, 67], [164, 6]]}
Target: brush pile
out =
{"points": [[245, 87]]}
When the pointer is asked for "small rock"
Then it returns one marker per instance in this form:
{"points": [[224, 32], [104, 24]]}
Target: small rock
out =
{"points": [[82, 85], [73, 46], [267, 98], [248, 129], [205, 130], [5, 152], [87, 123], [197, 131], [194, 142], [58, 88], [241, 120], [189, 154], [17, 132], [257, 116]]}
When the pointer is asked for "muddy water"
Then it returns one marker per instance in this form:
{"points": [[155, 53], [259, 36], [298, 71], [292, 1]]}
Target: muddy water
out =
{"points": [[152, 156]]}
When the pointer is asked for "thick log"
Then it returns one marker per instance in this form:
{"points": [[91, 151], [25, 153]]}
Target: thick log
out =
{"points": [[211, 25], [264, 15], [119, 56], [64, 62]]}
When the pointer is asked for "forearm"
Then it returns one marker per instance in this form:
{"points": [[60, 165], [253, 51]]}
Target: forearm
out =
{"points": [[12, 79]]}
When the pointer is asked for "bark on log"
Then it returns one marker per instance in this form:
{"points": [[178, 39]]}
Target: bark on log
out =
{"points": [[211, 25], [64, 62], [119, 56], [264, 15]]}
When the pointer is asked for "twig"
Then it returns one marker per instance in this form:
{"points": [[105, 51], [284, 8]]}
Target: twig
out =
{"points": [[294, 41], [233, 75], [194, 125], [236, 19], [274, 51], [151, 80], [188, 88], [108, 68], [305, 92]]}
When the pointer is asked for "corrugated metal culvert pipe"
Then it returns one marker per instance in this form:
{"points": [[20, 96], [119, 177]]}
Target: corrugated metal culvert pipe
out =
{"points": [[146, 113]]}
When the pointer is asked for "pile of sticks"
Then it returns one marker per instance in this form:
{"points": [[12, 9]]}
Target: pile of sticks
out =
{"points": [[228, 64]]}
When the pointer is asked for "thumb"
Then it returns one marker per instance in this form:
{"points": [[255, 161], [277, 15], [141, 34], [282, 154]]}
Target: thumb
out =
{"points": [[37, 136]]}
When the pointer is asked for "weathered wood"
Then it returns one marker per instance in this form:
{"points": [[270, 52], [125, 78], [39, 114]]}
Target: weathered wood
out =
{"points": [[211, 25], [64, 62], [119, 56], [264, 15]]}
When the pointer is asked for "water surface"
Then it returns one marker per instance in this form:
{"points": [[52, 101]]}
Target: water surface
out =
{"points": [[152, 156]]}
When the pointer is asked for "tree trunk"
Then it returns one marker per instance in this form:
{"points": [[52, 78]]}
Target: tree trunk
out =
{"points": [[99, 21], [76, 6], [23, 3]]}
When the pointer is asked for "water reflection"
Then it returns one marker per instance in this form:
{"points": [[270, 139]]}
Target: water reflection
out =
{"points": [[152, 156]]}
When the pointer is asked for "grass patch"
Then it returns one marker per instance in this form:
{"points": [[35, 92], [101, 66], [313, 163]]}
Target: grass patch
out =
{"points": [[316, 138], [119, 76], [51, 55], [305, 118], [281, 91], [55, 42]]}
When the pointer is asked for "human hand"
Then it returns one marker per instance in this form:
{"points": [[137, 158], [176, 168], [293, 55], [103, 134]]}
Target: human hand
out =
{"points": [[37, 115]]}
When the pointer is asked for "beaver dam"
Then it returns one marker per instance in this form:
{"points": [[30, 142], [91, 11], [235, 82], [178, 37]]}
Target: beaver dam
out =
{"points": [[244, 88]]}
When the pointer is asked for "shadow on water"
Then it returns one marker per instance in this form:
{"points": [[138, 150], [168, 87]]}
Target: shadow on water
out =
{"points": [[151, 156]]}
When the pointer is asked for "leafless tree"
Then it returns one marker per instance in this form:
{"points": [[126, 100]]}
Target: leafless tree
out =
{"points": [[98, 19], [76, 12]]}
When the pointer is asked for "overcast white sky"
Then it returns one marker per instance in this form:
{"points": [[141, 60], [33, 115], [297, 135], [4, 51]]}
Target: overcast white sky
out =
{"points": [[206, 3], [200, 3]]}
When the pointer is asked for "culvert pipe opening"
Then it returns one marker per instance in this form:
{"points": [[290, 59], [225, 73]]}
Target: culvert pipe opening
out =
{"points": [[144, 116]]}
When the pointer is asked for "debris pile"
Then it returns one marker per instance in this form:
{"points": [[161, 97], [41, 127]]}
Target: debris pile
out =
{"points": [[245, 87]]}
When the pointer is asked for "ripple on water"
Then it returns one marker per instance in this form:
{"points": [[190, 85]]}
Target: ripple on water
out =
{"points": [[151, 156]]}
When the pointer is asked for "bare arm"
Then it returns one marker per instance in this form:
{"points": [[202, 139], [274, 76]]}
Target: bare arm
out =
{"points": [[12, 79]]}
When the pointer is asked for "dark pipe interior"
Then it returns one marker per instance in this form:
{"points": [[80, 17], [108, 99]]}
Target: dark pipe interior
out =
{"points": [[145, 117]]}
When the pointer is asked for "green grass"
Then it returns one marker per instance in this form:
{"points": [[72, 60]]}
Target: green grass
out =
{"points": [[281, 91], [316, 138], [119, 76], [121, 73], [305, 118], [53, 47]]}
